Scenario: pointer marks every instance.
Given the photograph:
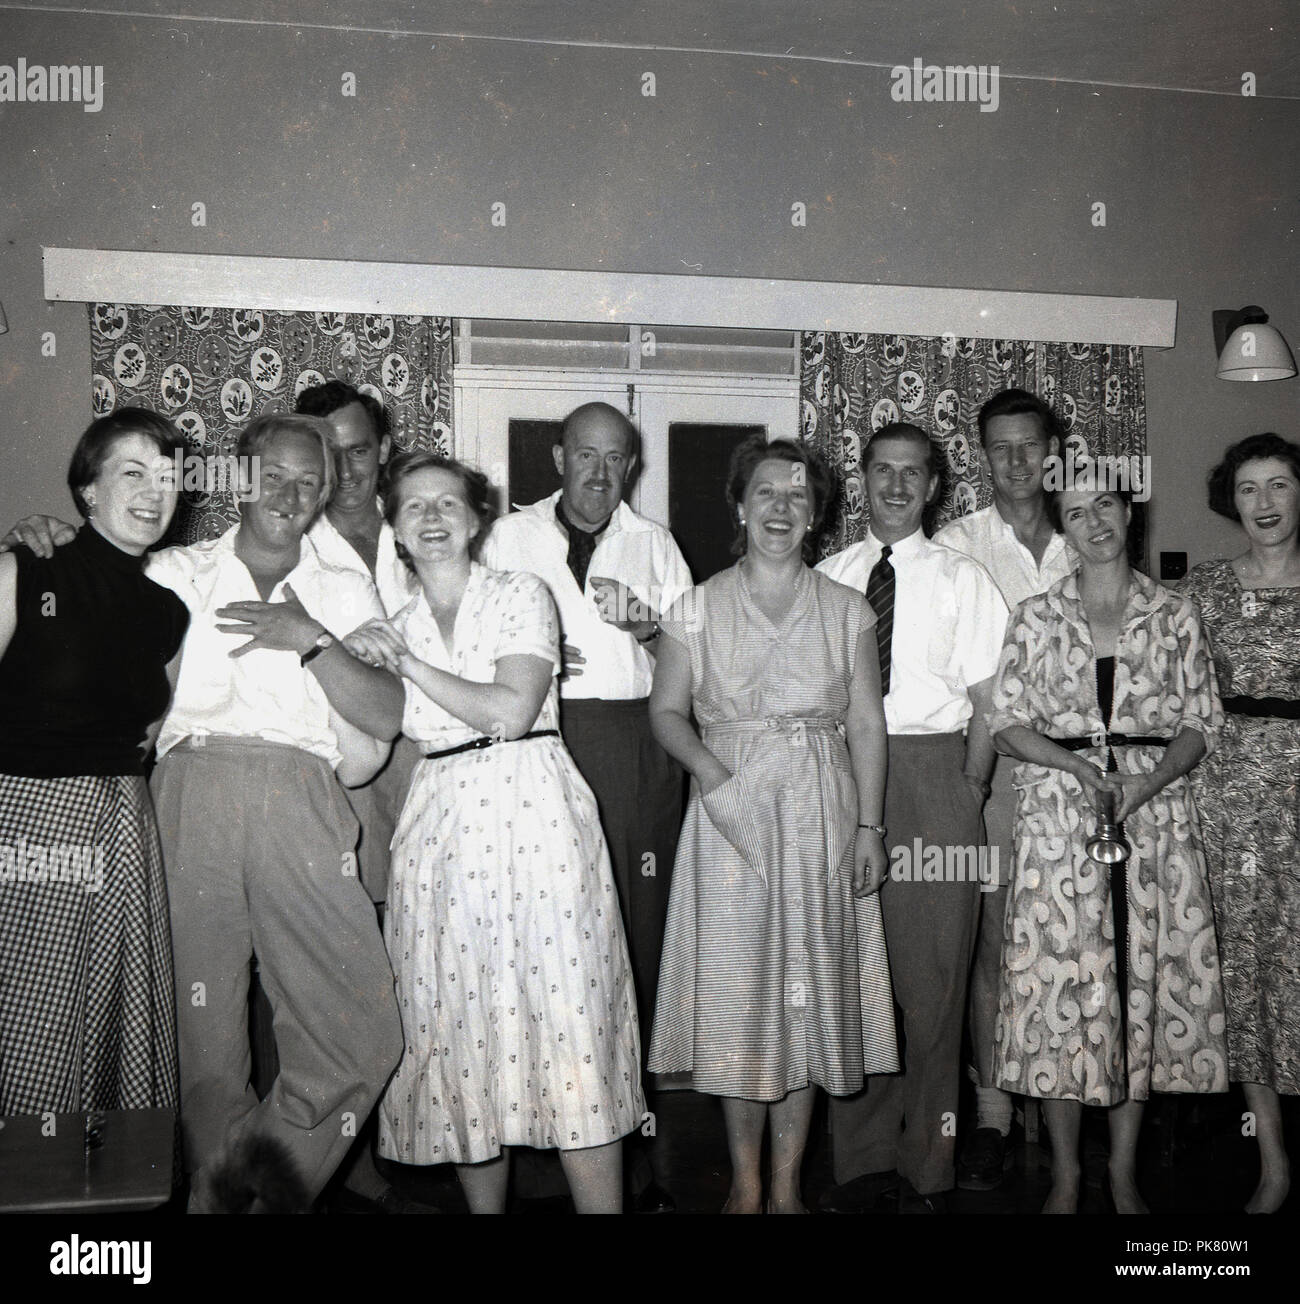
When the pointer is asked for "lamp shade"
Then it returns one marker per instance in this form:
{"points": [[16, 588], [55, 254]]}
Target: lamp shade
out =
{"points": [[1256, 351]]}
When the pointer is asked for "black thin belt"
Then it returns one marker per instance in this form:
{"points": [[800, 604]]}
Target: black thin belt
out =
{"points": [[477, 744], [1278, 708], [1111, 740]]}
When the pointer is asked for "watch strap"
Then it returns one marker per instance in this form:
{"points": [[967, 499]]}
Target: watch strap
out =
{"points": [[323, 641]]}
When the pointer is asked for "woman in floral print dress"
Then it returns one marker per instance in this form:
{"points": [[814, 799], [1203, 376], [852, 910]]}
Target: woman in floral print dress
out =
{"points": [[502, 923], [1247, 792], [1106, 687]]}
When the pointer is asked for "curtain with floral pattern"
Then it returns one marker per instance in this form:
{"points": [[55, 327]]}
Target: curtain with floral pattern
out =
{"points": [[853, 384], [212, 370]]}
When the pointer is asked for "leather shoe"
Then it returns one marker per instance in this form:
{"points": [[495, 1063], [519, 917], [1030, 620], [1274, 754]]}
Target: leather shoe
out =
{"points": [[861, 1194], [911, 1201], [983, 1160]]}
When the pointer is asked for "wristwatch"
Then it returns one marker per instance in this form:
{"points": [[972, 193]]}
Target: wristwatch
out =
{"points": [[323, 641]]}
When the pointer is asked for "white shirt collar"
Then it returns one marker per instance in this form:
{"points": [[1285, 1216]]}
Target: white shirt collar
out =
{"points": [[913, 543], [623, 517], [1008, 531]]}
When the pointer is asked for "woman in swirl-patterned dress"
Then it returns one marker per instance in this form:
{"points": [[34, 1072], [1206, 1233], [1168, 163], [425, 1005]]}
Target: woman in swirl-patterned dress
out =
{"points": [[1247, 791], [1106, 688]]}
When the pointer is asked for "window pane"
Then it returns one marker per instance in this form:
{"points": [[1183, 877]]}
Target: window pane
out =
{"points": [[531, 468], [698, 454]]}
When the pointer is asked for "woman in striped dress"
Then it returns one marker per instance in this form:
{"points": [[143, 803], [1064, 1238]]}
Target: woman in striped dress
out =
{"points": [[87, 1015], [774, 978]]}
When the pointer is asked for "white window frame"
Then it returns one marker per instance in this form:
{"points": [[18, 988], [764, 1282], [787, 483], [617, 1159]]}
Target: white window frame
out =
{"points": [[658, 398]]}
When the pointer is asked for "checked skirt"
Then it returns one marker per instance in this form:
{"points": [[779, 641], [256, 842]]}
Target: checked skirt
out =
{"points": [[87, 1013]]}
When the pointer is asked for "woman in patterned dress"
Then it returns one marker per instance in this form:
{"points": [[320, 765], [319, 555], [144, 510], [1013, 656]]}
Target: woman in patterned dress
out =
{"points": [[87, 1007], [1247, 791], [774, 977], [502, 921], [1105, 688]]}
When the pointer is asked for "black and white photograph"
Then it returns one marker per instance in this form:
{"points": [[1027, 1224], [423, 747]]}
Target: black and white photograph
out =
{"points": [[658, 610]]}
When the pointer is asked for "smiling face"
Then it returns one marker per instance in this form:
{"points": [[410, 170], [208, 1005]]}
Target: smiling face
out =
{"points": [[899, 486], [133, 497], [1096, 524], [434, 520], [594, 463], [1267, 497], [1014, 447], [292, 478], [359, 454], [777, 509]]}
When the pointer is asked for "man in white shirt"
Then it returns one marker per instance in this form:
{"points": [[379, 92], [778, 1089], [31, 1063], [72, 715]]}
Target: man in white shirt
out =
{"points": [[258, 840], [351, 533], [1014, 541], [611, 573], [940, 626]]}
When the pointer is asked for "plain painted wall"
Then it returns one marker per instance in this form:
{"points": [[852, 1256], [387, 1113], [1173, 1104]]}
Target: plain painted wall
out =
{"points": [[1202, 195]]}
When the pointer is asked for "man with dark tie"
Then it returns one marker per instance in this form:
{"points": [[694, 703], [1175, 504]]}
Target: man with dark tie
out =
{"points": [[940, 625]]}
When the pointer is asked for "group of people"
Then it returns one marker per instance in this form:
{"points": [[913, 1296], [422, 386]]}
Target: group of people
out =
{"points": [[499, 930]]}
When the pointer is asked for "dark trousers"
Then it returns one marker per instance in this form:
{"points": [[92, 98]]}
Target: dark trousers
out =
{"points": [[908, 1120], [639, 792]]}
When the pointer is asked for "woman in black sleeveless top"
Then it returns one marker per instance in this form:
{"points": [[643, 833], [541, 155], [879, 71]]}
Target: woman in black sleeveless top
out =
{"points": [[87, 1015]]}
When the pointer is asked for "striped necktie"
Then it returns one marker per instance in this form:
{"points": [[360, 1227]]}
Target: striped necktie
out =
{"points": [[880, 593]]}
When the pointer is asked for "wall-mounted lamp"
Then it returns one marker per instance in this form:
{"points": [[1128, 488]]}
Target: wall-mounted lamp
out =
{"points": [[1248, 348]]}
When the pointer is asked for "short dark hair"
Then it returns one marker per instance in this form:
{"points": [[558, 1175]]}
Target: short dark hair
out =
{"points": [[261, 430], [96, 444], [749, 455], [630, 432], [905, 430], [478, 489], [1222, 481], [1052, 503], [936, 463], [1020, 402], [322, 400]]}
